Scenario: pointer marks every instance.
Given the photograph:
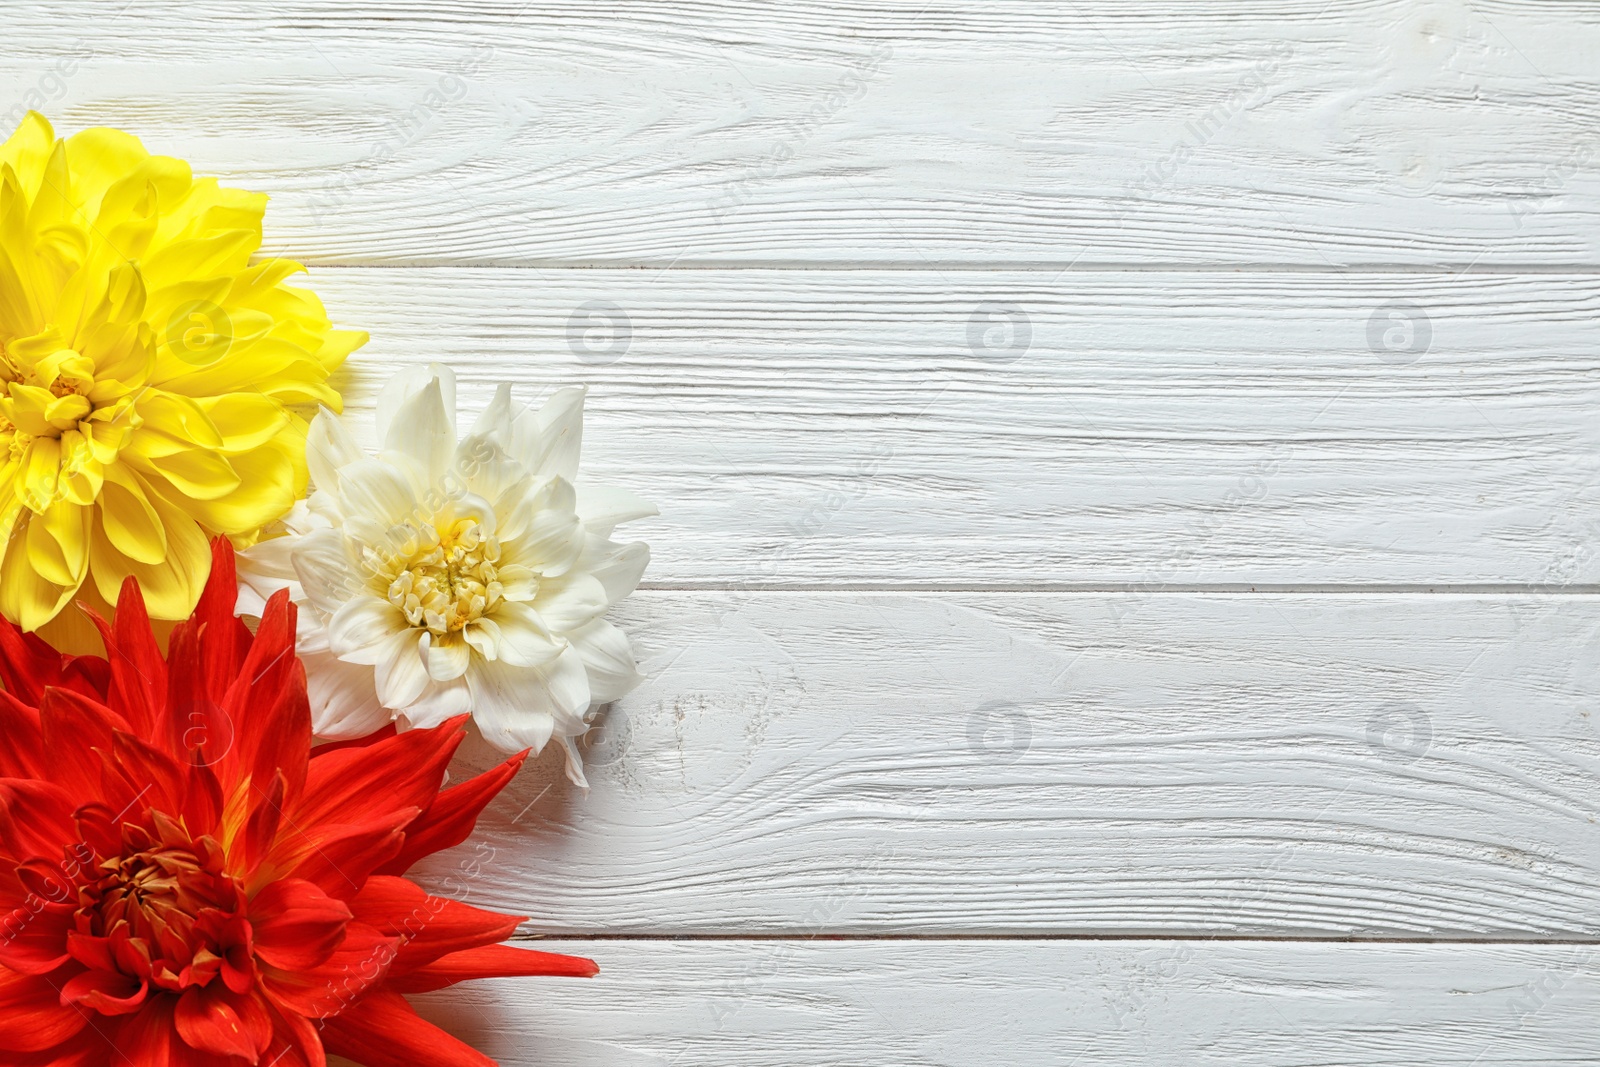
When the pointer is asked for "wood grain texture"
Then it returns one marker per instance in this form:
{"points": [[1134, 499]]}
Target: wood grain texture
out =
{"points": [[1109, 429], [1014, 764], [1085, 1003], [917, 132]]}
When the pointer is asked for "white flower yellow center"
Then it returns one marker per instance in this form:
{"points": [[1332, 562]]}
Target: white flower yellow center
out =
{"points": [[441, 581]]}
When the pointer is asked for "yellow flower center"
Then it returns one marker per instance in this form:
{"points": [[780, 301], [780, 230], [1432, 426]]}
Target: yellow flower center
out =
{"points": [[45, 384], [441, 581], [56, 421]]}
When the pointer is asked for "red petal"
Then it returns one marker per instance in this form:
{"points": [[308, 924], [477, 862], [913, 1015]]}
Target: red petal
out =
{"points": [[360, 963], [35, 819], [105, 992], [29, 665], [295, 1042], [150, 1039], [22, 754], [191, 717], [327, 748], [453, 814], [339, 858], [138, 674], [267, 705], [381, 1030], [33, 936], [32, 1009], [88, 1049], [429, 927], [261, 831], [297, 926], [139, 776], [224, 639], [404, 771], [208, 1023], [73, 727], [26, 662], [495, 961]]}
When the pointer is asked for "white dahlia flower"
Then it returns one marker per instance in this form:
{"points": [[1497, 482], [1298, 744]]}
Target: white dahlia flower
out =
{"points": [[443, 577]]}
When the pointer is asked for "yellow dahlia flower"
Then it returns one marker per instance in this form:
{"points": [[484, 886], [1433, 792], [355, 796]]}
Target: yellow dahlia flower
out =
{"points": [[147, 374]]}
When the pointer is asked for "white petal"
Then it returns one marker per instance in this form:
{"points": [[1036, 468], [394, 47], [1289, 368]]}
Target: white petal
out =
{"points": [[609, 660], [264, 568], [324, 572], [344, 700], [439, 702], [401, 673], [484, 468], [570, 602], [617, 567], [543, 532], [602, 508], [447, 657], [408, 382], [377, 491], [566, 680], [363, 627], [520, 708], [503, 710], [329, 447], [496, 418], [483, 636], [523, 639], [549, 441], [424, 431], [574, 761]]}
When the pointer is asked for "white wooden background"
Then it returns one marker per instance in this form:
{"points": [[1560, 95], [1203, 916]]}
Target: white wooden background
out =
{"points": [[1126, 591]]}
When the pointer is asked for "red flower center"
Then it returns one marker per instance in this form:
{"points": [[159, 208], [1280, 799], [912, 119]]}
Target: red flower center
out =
{"points": [[164, 913]]}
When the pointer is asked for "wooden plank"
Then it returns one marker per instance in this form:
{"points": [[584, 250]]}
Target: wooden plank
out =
{"points": [[1085, 1003], [1109, 429], [911, 132], [1397, 765]]}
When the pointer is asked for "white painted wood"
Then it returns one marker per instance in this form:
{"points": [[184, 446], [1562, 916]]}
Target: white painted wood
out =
{"points": [[1036, 402], [803, 764], [1155, 429], [1033, 1004], [917, 132]]}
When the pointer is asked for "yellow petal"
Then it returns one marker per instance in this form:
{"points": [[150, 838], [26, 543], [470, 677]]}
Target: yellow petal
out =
{"points": [[178, 420], [40, 470], [130, 521], [245, 420], [172, 587], [26, 597], [58, 543], [271, 479], [27, 150], [194, 473]]}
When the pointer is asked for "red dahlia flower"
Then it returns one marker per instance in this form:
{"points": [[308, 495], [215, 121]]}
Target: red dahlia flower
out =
{"points": [[186, 882]]}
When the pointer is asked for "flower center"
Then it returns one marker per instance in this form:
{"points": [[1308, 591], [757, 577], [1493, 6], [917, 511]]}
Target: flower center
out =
{"points": [[164, 912], [45, 384], [441, 579]]}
